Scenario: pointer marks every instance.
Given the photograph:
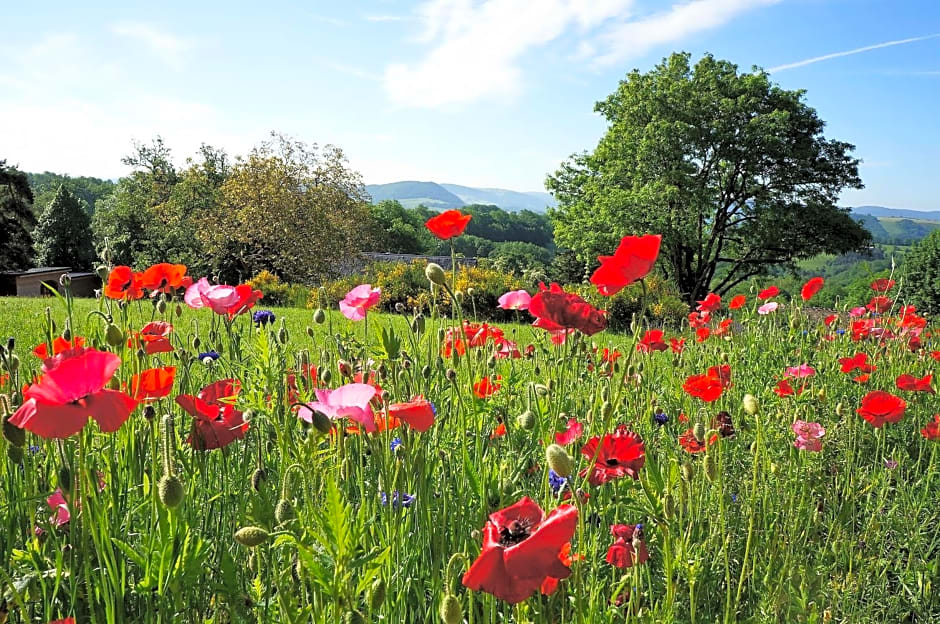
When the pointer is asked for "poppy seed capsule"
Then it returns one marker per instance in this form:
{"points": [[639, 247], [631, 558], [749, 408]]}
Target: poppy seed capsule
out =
{"points": [[13, 434], [284, 512], [450, 610], [251, 536], [751, 406], [170, 490], [526, 420], [377, 594], [711, 467], [699, 431], [258, 477], [435, 274], [559, 460], [113, 335]]}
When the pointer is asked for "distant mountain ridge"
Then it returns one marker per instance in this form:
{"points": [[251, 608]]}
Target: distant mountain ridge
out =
{"points": [[447, 196], [897, 213]]}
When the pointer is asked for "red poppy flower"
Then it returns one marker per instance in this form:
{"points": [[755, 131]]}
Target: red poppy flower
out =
{"points": [[615, 455], [217, 423], [859, 361], [737, 302], [702, 334], [499, 431], [932, 430], [676, 345], [521, 547], [550, 584], [880, 407], [705, 387], [165, 277], [629, 548], [247, 298], [909, 382], [711, 303], [59, 345], [935, 355], [153, 338], [811, 287], [699, 319], [879, 304], [724, 327], [722, 373], [882, 285], [693, 445], [418, 413], [652, 341], [556, 309], [632, 261], [67, 620], [862, 378], [722, 422], [487, 387], [153, 384], [72, 389], [448, 224], [767, 293], [572, 432], [829, 320], [308, 377], [784, 388], [124, 284]]}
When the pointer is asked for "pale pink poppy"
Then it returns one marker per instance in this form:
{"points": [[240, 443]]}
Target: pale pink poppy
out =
{"points": [[57, 502], [572, 432], [507, 349], [218, 297], [767, 308], [351, 401], [804, 429], [801, 371], [515, 300], [857, 312], [813, 445], [359, 300]]}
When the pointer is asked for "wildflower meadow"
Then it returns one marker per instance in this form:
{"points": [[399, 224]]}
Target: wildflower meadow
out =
{"points": [[176, 451]]}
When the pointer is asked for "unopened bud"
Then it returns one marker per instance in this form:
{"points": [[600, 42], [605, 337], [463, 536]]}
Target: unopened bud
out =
{"points": [[251, 536], [526, 420], [711, 467], [450, 610], [284, 511], [377, 594], [113, 335], [699, 431], [319, 316], [170, 490], [751, 406], [559, 460], [435, 274]]}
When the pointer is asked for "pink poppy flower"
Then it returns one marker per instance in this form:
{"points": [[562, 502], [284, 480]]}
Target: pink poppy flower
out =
{"points": [[801, 371], [352, 401], [768, 307], [857, 312], [359, 300], [571, 433], [804, 429], [515, 300], [218, 297]]}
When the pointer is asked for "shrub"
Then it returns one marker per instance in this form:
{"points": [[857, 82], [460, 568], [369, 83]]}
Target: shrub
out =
{"points": [[922, 274], [278, 293]]}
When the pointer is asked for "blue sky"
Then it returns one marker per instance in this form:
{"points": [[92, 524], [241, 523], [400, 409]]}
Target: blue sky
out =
{"points": [[483, 93]]}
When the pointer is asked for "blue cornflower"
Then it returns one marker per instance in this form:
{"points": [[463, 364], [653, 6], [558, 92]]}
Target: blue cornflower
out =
{"points": [[208, 357], [33, 449], [734, 498], [557, 483], [263, 317], [395, 444], [661, 417], [840, 331], [399, 499]]}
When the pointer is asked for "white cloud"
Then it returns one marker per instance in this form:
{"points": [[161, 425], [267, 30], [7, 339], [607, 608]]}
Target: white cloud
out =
{"points": [[476, 47], [169, 47], [826, 57], [387, 18]]}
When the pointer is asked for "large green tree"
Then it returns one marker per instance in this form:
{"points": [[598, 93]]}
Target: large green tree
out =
{"points": [[16, 219], [63, 236], [732, 170], [921, 271]]}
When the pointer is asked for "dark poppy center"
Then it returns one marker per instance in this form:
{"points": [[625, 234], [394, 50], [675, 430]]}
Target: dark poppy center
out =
{"points": [[612, 462], [515, 532]]}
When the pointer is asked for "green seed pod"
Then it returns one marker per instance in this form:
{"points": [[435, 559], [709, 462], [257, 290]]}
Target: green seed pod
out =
{"points": [[321, 422], [319, 316], [450, 374], [751, 406], [435, 274], [251, 536], [326, 376], [284, 511], [699, 431], [15, 453], [426, 371], [559, 460], [113, 335], [377, 594], [65, 480], [13, 363], [196, 342], [161, 305], [310, 332], [282, 335], [13, 434], [170, 490], [711, 467], [67, 333], [526, 420], [178, 310], [450, 611], [102, 272], [354, 617], [418, 324], [669, 506], [258, 477], [688, 471], [607, 409]]}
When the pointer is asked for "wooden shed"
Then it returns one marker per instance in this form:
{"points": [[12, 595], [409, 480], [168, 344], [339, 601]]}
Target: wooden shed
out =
{"points": [[30, 283]]}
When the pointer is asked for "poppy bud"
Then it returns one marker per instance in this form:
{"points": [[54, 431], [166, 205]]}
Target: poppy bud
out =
{"points": [[65, 480], [669, 506], [15, 453], [699, 431], [450, 374], [13, 434], [102, 272], [840, 410], [711, 467], [426, 371], [450, 611], [382, 370], [258, 477], [310, 332], [150, 413], [345, 370], [67, 332], [377, 594], [794, 323], [251, 536], [284, 511], [418, 324], [607, 409], [458, 296], [196, 343], [399, 307], [113, 335], [282, 335], [170, 490], [13, 363], [179, 310], [321, 422], [688, 471], [773, 468], [406, 364], [354, 617], [526, 420], [435, 274], [11, 342], [161, 305], [541, 390], [326, 376], [751, 406], [821, 396], [559, 460]]}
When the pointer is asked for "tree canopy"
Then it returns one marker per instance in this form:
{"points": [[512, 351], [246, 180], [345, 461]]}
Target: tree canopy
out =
{"points": [[63, 236], [732, 170], [922, 274], [16, 219]]}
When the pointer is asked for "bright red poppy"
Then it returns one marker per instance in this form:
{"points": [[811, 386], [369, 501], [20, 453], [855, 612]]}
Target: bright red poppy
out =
{"points": [[811, 287], [556, 309], [418, 413], [879, 304], [521, 548], [572, 432], [652, 341], [247, 297], [217, 423], [487, 387], [676, 345], [859, 361], [628, 549], [932, 430], [693, 445], [913, 384], [632, 261], [59, 345], [882, 285], [880, 407], [737, 302], [767, 293], [448, 224], [705, 387], [165, 278], [153, 384], [124, 284], [935, 355], [702, 334], [829, 320], [617, 454], [550, 584], [784, 388], [152, 338], [72, 389], [711, 303]]}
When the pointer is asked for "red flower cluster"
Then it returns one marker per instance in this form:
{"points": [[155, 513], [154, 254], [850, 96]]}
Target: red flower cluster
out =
{"points": [[617, 454], [709, 387], [913, 384], [126, 285], [217, 423], [555, 309], [628, 549], [632, 261], [487, 387]]}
